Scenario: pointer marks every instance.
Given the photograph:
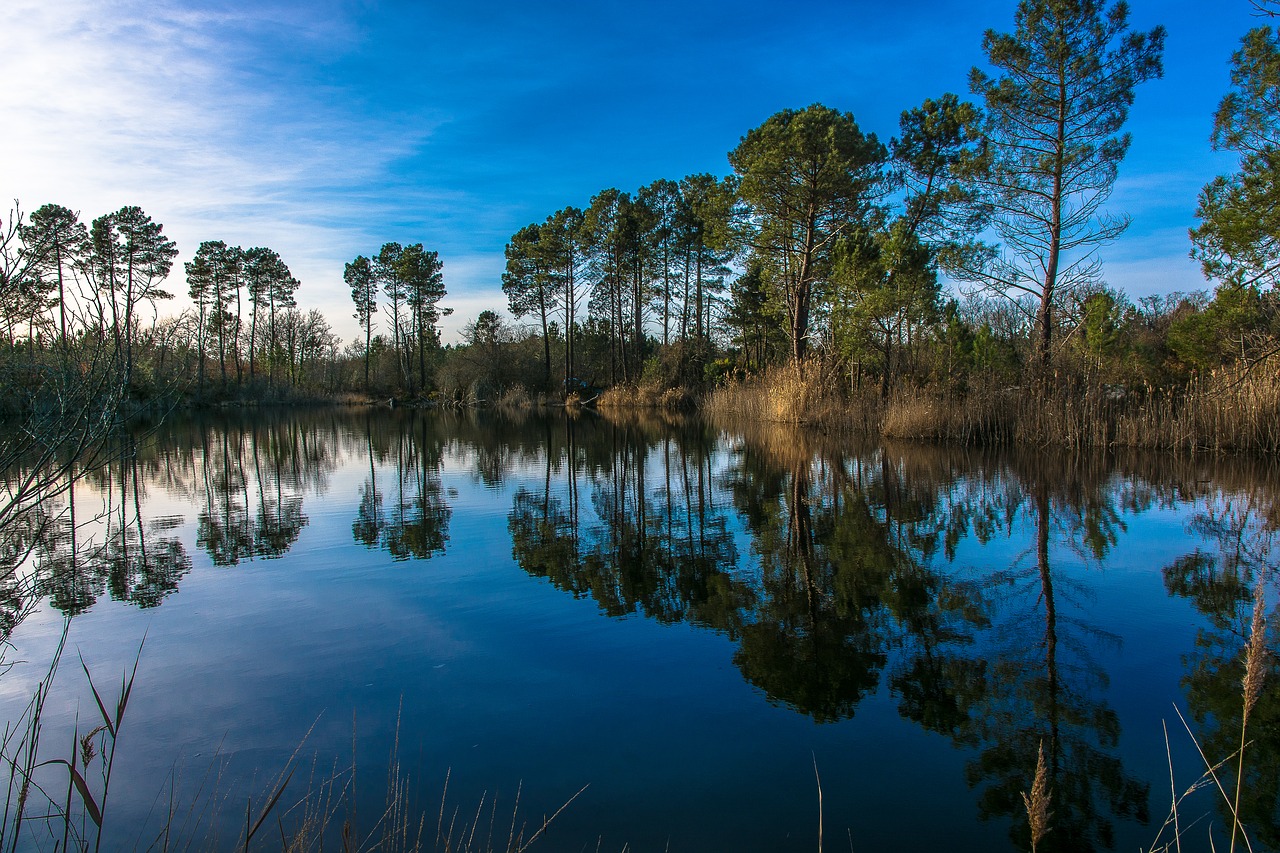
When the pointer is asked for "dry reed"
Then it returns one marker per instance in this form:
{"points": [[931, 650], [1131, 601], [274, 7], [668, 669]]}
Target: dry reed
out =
{"points": [[1037, 802], [1255, 658], [646, 396], [806, 393], [514, 397], [1232, 409]]}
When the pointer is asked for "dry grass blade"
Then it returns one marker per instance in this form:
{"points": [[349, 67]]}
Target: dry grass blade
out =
{"points": [[1256, 654], [818, 780], [1173, 789], [102, 708], [1255, 658], [271, 804], [82, 787], [21, 756], [1212, 772], [546, 822], [1037, 803]]}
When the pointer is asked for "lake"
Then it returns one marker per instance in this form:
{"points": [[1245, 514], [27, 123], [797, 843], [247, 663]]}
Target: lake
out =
{"points": [[716, 633]]}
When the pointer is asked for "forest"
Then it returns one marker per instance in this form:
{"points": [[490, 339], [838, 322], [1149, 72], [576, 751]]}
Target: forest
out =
{"points": [[947, 282]]}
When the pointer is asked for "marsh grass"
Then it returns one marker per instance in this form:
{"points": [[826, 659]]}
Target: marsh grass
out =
{"points": [[1232, 409], [808, 394], [647, 396], [64, 801], [1037, 802], [1255, 661], [514, 397], [74, 816], [1236, 408]]}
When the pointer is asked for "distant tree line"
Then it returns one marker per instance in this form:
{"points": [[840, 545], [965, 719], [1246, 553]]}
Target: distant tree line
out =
{"points": [[71, 294], [412, 281], [825, 248]]}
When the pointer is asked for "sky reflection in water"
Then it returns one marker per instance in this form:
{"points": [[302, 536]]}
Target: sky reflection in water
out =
{"points": [[683, 617]]}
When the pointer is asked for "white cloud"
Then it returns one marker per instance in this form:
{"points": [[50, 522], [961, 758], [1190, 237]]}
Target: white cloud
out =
{"points": [[115, 103]]}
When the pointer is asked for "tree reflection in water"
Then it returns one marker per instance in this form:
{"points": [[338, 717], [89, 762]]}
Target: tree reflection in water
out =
{"points": [[1045, 686], [1239, 529], [246, 476], [849, 579], [94, 540], [656, 542], [417, 523], [838, 571]]}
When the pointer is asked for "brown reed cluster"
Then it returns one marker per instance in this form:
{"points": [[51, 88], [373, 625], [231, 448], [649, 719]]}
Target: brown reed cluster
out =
{"points": [[1037, 802], [1231, 409]]}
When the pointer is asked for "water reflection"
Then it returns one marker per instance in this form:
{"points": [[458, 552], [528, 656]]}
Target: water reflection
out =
{"points": [[97, 540], [250, 480], [654, 542], [849, 578], [416, 524], [958, 584], [1238, 554], [1046, 684], [246, 478]]}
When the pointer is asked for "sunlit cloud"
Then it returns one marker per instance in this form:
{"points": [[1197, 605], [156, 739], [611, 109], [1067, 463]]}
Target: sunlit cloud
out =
{"points": [[150, 104]]}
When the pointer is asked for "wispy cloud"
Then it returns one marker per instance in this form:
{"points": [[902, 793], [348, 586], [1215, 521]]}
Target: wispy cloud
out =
{"points": [[175, 110]]}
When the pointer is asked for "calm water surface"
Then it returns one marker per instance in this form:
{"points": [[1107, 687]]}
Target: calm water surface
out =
{"points": [[686, 620]]}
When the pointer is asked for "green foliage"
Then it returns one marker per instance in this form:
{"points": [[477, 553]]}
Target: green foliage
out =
{"points": [[953, 347], [1101, 317], [682, 364], [807, 175], [707, 234], [757, 318], [1052, 127], [883, 284], [1220, 333], [938, 143], [995, 355], [57, 244], [1237, 239]]}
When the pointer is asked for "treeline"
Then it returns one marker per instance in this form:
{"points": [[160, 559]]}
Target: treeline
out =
{"points": [[828, 246], [79, 293], [942, 270], [824, 259], [79, 300]]}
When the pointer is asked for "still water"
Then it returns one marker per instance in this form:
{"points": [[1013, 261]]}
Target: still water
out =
{"points": [[718, 631]]}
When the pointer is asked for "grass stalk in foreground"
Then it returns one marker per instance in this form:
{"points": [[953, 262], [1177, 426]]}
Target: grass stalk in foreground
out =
{"points": [[1256, 656], [1037, 802]]}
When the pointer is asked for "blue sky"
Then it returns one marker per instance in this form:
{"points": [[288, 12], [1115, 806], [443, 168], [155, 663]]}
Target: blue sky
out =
{"points": [[323, 129]]}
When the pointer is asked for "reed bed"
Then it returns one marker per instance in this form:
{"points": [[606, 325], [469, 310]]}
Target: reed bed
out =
{"points": [[646, 396], [803, 394], [66, 799], [1233, 409], [514, 397], [1230, 409]]}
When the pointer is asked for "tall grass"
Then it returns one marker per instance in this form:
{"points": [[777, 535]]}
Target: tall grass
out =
{"points": [[64, 800], [1233, 409], [1255, 657], [805, 393], [1037, 802], [646, 396]]}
